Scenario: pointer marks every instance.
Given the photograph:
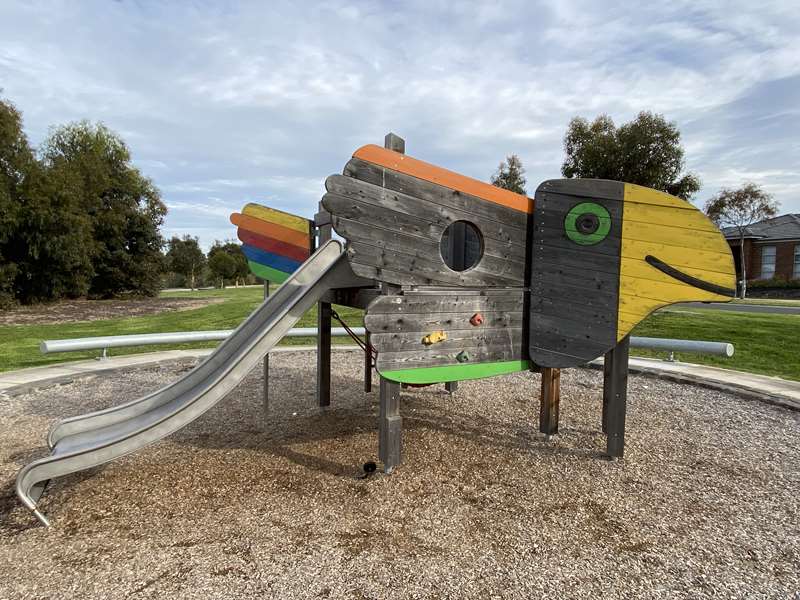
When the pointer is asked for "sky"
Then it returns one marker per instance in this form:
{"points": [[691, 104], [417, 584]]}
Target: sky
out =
{"points": [[228, 103]]}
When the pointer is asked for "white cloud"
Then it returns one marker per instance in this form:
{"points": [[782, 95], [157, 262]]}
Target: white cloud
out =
{"points": [[261, 101]]}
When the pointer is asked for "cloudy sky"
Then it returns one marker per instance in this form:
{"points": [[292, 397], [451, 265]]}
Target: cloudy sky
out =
{"points": [[226, 103]]}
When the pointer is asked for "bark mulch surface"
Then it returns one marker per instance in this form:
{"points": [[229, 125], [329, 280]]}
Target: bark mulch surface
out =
{"points": [[76, 311], [704, 504]]}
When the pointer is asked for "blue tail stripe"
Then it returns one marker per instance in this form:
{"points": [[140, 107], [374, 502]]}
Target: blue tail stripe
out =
{"points": [[281, 263]]}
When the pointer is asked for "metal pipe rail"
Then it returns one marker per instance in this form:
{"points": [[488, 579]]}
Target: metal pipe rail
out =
{"points": [[183, 337], [670, 345], [178, 337]]}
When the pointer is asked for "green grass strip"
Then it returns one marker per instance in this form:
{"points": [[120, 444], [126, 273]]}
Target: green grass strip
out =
{"points": [[455, 372]]}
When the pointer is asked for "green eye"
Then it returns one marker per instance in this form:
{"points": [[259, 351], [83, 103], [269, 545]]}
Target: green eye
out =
{"points": [[587, 223]]}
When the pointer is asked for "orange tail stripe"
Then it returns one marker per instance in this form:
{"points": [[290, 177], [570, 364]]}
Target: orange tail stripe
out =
{"points": [[270, 230], [422, 170]]}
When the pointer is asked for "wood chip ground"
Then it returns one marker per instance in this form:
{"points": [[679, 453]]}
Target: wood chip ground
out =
{"points": [[705, 503]]}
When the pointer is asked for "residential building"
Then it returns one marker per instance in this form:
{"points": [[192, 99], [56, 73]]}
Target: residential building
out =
{"points": [[771, 248]]}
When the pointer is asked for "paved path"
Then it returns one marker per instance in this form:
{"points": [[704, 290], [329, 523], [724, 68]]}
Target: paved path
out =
{"points": [[748, 308], [24, 380], [775, 390]]}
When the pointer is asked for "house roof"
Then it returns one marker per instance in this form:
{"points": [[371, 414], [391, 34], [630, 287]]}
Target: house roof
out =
{"points": [[782, 227]]}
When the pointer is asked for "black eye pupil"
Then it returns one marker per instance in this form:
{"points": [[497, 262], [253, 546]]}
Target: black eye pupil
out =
{"points": [[587, 223]]}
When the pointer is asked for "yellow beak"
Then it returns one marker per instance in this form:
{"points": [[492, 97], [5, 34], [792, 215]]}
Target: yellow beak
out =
{"points": [[670, 252]]}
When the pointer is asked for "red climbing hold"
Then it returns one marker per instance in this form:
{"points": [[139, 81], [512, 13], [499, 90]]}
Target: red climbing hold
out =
{"points": [[476, 319]]}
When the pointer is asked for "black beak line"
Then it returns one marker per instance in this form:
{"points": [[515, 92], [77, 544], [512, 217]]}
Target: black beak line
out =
{"points": [[688, 279]]}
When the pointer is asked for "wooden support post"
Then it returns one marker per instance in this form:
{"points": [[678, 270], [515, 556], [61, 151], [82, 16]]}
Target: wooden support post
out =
{"points": [[390, 426], [394, 142], [368, 364], [549, 401], [266, 362], [324, 334], [451, 387], [615, 389], [608, 360]]}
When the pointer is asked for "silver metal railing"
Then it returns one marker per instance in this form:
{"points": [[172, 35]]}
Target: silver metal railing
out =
{"points": [[179, 337], [183, 337]]}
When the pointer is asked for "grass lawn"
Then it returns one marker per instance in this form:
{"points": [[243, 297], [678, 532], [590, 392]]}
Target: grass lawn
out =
{"points": [[19, 344], [765, 343]]}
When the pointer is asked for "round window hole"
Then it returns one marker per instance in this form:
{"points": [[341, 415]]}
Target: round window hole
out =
{"points": [[461, 245]]}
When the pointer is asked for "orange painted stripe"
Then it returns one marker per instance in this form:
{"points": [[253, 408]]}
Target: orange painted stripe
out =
{"points": [[422, 170], [270, 230]]}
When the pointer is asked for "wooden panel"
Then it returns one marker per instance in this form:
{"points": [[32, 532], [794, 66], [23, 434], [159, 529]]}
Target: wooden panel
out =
{"points": [[398, 325], [694, 256], [396, 260], [428, 172], [435, 194], [276, 241], [395, 236], [270, 230], [413, 206], [272, 215], [574, 284], [425, 323]]}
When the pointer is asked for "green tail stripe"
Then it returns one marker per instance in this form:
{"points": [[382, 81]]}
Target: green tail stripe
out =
{"points": [[456, 372], [267, 273]]}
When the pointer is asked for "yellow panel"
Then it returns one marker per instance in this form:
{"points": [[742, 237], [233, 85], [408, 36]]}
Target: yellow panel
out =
{"points": [[644, 195], [675, 217], [689, 256], [277, 216], [676, 233], [675, 236], [638, 268]]}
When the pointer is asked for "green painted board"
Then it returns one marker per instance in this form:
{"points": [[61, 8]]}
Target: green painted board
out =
{"points": [[456, 372], [267, 273]]}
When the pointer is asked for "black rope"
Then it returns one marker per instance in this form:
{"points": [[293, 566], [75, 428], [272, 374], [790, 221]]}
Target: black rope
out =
{"points": [[361, 343]]}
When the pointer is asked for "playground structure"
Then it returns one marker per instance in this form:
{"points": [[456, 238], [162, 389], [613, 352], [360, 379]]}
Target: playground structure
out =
{"points": [[459, 280]]}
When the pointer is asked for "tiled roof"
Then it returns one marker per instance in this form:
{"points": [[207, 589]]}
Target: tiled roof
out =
{"points": [[776, 228]]}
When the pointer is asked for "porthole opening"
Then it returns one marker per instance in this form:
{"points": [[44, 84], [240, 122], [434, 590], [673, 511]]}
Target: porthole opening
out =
{"points": [[461, 245]]}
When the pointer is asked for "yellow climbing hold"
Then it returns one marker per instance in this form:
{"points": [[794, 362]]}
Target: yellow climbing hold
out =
{"points": [[434, 338]]}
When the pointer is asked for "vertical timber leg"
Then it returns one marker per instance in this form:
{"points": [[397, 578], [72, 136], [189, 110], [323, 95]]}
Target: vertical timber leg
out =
{"points": [[615, 397], [266, 363], [451, 387], [324, 354], [368, 364], [550, 400], [324, 334], [608, 386], [390, 426]]}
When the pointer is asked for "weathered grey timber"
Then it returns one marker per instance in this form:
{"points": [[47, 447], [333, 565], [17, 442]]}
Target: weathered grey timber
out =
{"points": [[398, 325], [433, 194], [572, 280], [549, 401], [390, 426], [399, 231], [324, 230], [615, 396]]}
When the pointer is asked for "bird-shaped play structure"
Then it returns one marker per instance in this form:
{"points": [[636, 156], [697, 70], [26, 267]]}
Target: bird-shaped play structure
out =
{"points": [[459, 280]]}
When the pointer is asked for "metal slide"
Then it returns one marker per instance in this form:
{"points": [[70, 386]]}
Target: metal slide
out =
{"points": [[89, 440]]}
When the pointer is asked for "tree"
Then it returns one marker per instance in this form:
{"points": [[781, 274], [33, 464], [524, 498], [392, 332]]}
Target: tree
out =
{"points": [[234, 250], [741, 208], [222, 266], [124, 208], [510, 175], [44, 237], [186, 258], [647, 151]]}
